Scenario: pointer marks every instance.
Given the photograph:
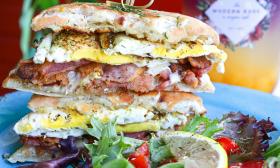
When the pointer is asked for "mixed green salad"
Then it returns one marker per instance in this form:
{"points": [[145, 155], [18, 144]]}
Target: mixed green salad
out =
{"points": [[235, 140]]}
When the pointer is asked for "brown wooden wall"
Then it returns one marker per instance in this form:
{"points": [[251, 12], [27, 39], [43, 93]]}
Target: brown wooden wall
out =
{"points": [[9, 37]]}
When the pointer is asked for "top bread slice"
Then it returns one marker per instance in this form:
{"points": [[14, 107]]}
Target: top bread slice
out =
{"points": [[154, 26]]}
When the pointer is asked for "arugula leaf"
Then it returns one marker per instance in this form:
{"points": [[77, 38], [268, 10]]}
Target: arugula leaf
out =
{"points": [[119, 163], [119, 147], [195, 123], [108, 146], [173, 165], [211, 128], [96, 129], [159, 150], [98, 160], [204, 126], [273, 150]]}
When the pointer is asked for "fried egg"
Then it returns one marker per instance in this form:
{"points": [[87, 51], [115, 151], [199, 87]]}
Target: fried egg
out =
{"points": [[122, 50], [61, 123]]}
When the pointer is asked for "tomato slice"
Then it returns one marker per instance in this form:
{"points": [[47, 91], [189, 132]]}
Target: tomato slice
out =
{"points": [[140, 158], [229, 145], [249, 164]]}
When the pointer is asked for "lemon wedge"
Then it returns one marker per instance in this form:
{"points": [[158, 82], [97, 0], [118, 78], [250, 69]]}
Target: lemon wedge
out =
{"points": [[195, 151]]}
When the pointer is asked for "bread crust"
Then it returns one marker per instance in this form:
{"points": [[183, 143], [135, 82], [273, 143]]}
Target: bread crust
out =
{"points": [[167, 101], [155, 26]]}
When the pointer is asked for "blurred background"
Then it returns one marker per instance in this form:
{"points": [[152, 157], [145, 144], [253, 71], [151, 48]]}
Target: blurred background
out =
{"points": [[249, 31]]}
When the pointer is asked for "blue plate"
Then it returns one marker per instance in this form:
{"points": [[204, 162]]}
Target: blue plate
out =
{"points": [[227, 98]]}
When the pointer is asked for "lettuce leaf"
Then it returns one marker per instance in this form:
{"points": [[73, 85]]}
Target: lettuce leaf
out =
{"points": [[203, 125], [273, 150], [251, 135], [109, 146], [272, 155]]}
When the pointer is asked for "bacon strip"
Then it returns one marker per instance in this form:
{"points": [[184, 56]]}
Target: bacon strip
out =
{"points": [[29, 70], [124, 77]]}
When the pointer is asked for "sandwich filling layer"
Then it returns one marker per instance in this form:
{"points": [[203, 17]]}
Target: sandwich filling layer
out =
{"points": [[118, 48], [63, 117], [62, 123], [80, 63], [97, 77]]}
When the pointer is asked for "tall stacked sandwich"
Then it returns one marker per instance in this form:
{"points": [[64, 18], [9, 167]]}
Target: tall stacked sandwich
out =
{"points": [[104, 61]]}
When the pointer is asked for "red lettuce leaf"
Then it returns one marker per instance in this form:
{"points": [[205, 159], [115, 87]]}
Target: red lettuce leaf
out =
{"points": [[55, 163], [251, 135], [72, 156]]}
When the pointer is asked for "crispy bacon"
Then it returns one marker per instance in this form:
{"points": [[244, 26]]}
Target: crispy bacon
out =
{"points": [[199, 62], [113, 77], [43, 142], [190, 78], [47, 73], [200, 65], [121, 73]]}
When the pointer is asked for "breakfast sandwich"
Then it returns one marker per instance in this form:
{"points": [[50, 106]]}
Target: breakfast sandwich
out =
{"points": [[135, 68], [95, 48], [54, 120]]}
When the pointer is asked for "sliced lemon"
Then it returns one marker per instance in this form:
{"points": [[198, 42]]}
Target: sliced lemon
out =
{"points": [[195, 151]]}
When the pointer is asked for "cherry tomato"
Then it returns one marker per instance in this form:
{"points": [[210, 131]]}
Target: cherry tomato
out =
{"points": [[229, 145], [140, 158], [248, 164]]}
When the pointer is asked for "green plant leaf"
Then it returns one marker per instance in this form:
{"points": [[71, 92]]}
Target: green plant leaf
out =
{"points": [[204, 126], [211, 128], [25, 20], [97, 160], [119, 146], [273, 150], [195, 123], [91, 148], [173, 165], [44, 4], [118, 163], [96, 129], [85, 1], [108, 146]]}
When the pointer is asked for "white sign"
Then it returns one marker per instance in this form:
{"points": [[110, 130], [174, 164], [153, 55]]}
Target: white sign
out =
{"points": [[236, 18]]}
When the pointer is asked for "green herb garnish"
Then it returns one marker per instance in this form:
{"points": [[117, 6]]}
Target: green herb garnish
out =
{"points": [[125, 8], [203, 125], [109, 147]]}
